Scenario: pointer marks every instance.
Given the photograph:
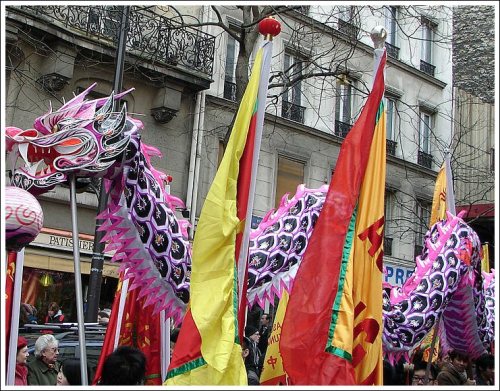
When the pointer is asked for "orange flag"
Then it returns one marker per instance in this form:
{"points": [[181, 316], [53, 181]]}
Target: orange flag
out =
{"points": [[332, 331], [272, 371]]}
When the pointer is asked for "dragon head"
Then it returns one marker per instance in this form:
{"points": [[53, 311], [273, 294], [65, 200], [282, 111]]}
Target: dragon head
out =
{"points": [[83, 137]]}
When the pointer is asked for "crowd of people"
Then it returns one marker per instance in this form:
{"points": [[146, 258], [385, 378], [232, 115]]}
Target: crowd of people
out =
{"points": [[127, 365], [454, 368]]}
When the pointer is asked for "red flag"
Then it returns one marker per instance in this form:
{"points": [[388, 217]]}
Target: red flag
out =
{"points": [[109, 339], [139, 328], [305, 345]]}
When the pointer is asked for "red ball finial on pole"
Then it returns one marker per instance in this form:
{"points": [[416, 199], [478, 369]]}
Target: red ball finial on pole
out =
{"points": [[269, 27]]}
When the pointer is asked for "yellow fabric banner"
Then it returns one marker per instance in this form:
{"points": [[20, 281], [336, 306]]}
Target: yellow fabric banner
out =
{"points": [[214, 301], [367, 263], [485, 262], [438, 211], [272, 371]]}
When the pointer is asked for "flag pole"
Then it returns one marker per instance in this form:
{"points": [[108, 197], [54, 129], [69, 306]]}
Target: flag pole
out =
{"points": [[450, 194], [450, 205], [78, 282], [269, 27], [14, 320]]}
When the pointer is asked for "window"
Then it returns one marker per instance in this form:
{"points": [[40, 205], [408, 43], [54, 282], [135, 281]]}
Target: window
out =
{"points": [[290, 175], [391, 24], [425, 131], [424, 139], [347, 21], [232, 50], [347, 13], [423, 212], [343, 107], [105, 21], [390, 110], [389, 221], [391, 27], [292, 96], [426, 49]]}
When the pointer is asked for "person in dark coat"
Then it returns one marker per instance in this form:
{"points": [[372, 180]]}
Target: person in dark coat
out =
{"points": [[485, 370], [454, 372], [265, 332], [70, 373], [253, 360], [44, 369], [125, 366], [54, 314]]}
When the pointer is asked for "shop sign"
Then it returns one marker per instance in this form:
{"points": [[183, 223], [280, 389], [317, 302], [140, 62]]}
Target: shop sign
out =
{"points": [[397, 274], [60, 242]]}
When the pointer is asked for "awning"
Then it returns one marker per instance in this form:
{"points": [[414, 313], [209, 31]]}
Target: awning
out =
{"points": [[62, 262]]}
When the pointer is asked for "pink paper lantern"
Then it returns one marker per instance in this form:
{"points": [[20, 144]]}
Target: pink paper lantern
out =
{"points": [[24, 218]]}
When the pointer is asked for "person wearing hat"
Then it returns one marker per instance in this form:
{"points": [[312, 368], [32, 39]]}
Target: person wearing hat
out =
{"points": [[21, 378], [253, 359]]}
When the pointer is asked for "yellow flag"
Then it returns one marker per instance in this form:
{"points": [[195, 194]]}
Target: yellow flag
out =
{"points": [[210, 325], [272, 371], [439, 200], [485, 262]]}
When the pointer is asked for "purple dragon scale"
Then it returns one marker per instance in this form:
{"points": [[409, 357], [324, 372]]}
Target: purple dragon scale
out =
{"points": [[278, 244], [87, 139], [446, 282]]}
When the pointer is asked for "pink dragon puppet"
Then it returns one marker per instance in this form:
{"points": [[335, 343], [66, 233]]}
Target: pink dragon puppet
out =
{"points": [[87, 138], [446, 281]]}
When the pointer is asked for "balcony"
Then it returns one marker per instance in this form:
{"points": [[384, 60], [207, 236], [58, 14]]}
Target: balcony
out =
{"points": [[230, 90], [390, 146], [292, 111], [427, 68], [388, 246], [392, 51], [342, 128], [348, 29], [152, 37], [424, 159]]}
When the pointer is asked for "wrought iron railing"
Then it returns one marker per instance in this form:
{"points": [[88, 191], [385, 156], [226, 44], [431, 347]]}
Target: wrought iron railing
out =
{"points": [[388, 246], [342, 128], [348, 28], [427, 68], [292, 111], [151, 36], [424, 159], [390, 146], [229, 90], [392, 51]]}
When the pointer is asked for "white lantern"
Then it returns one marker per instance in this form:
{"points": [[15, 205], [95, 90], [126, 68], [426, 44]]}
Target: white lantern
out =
{"points": [[24, 218]]}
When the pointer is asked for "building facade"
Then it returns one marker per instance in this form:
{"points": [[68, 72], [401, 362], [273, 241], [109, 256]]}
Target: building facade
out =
{"points": [[474, 131], [185, 75]]}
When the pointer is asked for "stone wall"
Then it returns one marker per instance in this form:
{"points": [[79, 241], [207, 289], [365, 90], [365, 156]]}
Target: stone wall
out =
{"points": [[474, 50]]}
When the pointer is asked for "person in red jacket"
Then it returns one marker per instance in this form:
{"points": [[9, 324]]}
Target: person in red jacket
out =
{"points": [[21, 378], [54, 314]]}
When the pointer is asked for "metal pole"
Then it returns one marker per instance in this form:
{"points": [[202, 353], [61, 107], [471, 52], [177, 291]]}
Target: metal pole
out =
{"points": [[14, 321], [95, 279], [78, 282], [431, 353]]}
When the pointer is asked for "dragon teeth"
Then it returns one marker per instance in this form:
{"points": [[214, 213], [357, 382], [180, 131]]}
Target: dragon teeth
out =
{"points": [[23, 151], [32, 169]]}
